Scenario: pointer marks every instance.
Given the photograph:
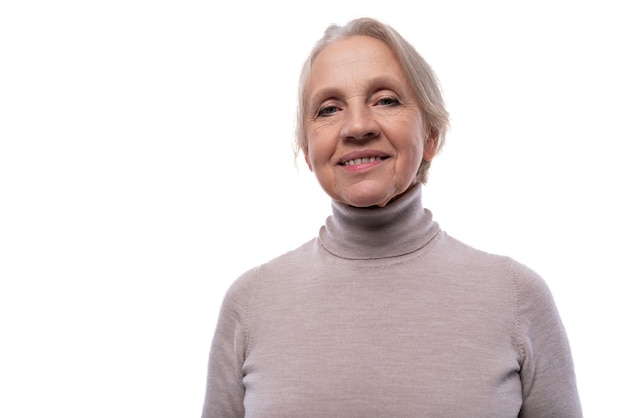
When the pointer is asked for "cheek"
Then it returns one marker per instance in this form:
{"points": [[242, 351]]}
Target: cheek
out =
{"points": [[312, 155], [413, 156], [319, 146]]}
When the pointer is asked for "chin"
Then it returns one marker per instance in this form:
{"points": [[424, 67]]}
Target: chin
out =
{"points": [[367, 200], [371, 198]]}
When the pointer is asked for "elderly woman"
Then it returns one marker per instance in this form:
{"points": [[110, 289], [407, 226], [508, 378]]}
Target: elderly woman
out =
{"points": [[384, 314]]}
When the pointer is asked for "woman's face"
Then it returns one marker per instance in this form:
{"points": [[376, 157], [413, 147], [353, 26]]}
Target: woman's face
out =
{"points": [[364, 129]]}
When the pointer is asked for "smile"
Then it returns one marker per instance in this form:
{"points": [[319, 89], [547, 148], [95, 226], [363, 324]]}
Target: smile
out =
{"points": [[358, 161]]}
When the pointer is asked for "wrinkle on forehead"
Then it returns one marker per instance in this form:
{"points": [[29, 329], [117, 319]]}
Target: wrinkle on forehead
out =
{"points": [[354, 66]]}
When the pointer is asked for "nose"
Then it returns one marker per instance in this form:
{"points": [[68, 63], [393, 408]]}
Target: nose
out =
{"points": [[359, 124]]}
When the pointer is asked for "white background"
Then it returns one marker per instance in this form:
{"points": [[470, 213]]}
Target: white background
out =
{"points": [[145, 163]]}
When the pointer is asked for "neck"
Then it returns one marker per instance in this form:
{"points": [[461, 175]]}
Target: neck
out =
{"points": [[401, 227]]}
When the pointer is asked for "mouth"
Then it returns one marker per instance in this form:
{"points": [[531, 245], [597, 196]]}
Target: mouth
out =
{"points": [[362, 160]]}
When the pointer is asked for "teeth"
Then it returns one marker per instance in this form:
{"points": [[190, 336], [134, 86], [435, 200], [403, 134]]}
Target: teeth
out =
{"points": [[361, 160]]}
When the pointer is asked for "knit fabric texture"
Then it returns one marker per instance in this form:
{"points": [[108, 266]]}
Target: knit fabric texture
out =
{"points": [[385, 315]]}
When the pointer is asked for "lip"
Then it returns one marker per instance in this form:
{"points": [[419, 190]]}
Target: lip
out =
{"points": [[354, 155]]}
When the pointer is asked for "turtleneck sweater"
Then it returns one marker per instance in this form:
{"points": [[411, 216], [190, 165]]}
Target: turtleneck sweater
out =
{"points": [[385, 315]]}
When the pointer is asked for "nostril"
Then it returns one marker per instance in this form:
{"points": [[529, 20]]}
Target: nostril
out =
{"points": [[367, 135], [360, 126]]}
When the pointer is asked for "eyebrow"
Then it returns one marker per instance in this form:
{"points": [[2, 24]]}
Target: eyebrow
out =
{"points": [[323, 94], [373, 84]]}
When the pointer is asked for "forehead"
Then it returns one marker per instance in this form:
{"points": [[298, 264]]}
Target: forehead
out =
{"points": [[355, 65], [357, 46], [356, 56]]}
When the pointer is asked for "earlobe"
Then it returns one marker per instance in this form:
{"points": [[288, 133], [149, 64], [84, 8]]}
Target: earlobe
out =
{"points": [[308, 161], [430, 146]]}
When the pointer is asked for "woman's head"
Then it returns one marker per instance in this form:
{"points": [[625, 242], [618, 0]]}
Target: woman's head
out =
{"points": [[418, 75]]}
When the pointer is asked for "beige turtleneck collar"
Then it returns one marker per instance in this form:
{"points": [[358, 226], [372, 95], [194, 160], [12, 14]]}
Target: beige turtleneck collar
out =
{"points": [[401, 227]]}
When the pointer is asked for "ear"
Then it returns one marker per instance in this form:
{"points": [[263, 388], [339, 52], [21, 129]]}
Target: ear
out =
{"points": [[430, 145], [305, 151]]}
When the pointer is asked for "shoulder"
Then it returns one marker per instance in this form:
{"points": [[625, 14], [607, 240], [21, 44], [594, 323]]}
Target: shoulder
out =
{"points": [[293, 257], [485, 267], [534, 299], [469, 259], [284, 265], [528, 281]]}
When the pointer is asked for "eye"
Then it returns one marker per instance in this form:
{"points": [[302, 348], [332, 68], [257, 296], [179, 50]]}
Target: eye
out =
{"points": [[327, 110], [388, 101]]}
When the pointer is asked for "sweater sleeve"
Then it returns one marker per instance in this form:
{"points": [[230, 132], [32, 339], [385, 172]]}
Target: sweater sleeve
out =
{"points": [[225, 390], [546, 369]]}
